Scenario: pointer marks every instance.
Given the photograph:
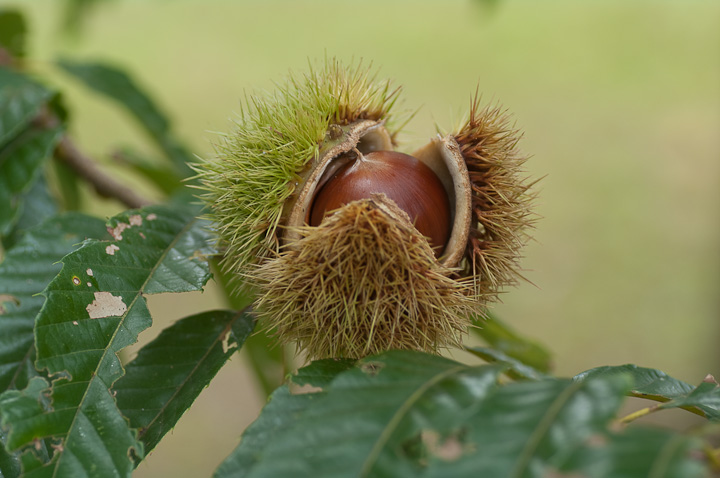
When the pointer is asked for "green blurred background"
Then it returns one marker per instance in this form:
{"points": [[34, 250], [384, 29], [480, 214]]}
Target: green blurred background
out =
{"points": [[619, 102]]}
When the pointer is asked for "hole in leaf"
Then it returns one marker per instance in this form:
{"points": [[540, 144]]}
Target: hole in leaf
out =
{"points": [[372, 368]]}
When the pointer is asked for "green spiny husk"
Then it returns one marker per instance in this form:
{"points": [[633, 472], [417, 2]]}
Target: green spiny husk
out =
{"points": [[362, 282], [256, 166]]}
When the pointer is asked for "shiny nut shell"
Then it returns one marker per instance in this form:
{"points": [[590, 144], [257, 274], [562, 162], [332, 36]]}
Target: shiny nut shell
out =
{"points": [[442, 155]]}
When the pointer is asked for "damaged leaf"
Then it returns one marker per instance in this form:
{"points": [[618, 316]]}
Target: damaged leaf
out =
{"points": [[410, 414], [363, 417], [104, 305], [92, 437], [27, 269]]}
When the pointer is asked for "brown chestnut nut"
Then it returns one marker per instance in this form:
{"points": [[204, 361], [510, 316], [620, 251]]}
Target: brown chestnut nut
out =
{"points": [[411, 184]]}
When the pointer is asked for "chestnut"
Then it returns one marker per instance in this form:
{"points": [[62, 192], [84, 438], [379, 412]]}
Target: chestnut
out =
{"points": [[411, 184], [352, 254]]}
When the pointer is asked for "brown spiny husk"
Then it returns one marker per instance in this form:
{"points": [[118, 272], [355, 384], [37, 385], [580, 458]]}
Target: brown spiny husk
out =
{"points": [[501, 214], [362, 282]]}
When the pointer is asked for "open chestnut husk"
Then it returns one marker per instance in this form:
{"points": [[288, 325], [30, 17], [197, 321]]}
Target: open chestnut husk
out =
{"points": [[405, 180], [352, 247]]}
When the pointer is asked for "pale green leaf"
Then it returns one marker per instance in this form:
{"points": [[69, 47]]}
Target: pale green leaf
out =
{"points": [[516, 368], [161, 175], [119, 86], [503, 338], [77, 12]]}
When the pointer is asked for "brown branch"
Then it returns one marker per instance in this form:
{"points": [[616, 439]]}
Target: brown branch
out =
{"points": [[104, 185]]}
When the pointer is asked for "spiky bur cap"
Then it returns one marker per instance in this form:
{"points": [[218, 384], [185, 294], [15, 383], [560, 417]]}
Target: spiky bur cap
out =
{"points": [[258, 166], [362, 282], [501, 208]]}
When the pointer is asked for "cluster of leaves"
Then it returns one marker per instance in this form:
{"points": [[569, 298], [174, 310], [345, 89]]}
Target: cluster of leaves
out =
{"points": [[72, 297], [416, 415]]}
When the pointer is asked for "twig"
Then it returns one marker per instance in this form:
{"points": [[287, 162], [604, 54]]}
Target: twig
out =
{"points": [[104, 185], [640, 413], [713, 455]]}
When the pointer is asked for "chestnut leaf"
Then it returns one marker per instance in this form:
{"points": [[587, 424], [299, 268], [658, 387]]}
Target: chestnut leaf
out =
{"points": [[21, 100], [94, 308], [656, 385], [405, 413], [27, 269], [122, 88], [169, 373], [24, 145]]}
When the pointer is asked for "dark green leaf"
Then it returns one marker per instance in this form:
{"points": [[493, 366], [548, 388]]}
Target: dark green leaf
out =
{"points": [[321, 372], [119, 86], [516, 369], [170, 372], [637, 453], [12, 32], [501, 337], [27, 269], [657, 385], [408, 414], [9, 463], [280, 413], [528, 428], [365, 418], [20, 163], [647, 382], [21, 99], [38, 205], [94, 308], [705, 397]]}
